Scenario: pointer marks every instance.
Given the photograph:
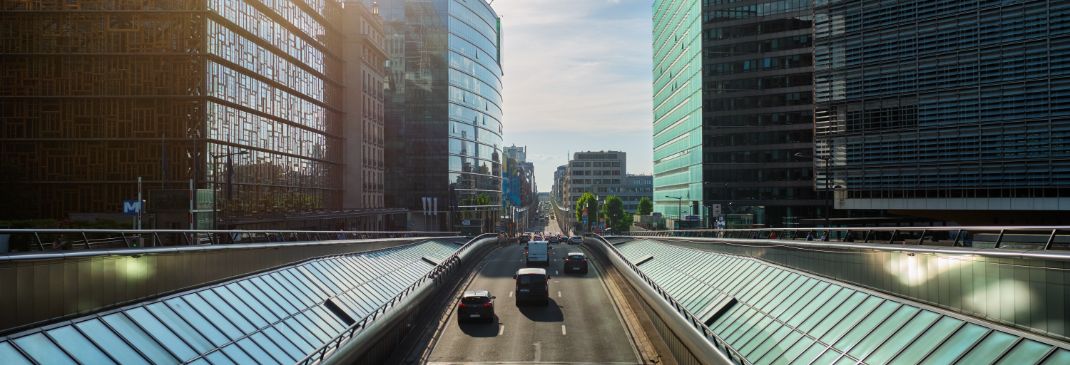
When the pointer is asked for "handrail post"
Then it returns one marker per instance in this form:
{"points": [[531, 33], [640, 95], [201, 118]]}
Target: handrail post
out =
{"points": [[85, 239], [1051, 239], [999, 239], [922, 238], [891, 240], [958, 236]]}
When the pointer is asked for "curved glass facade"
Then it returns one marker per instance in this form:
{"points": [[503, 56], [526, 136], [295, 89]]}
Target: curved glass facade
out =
{"points": [[444, 136], [475, 137]]}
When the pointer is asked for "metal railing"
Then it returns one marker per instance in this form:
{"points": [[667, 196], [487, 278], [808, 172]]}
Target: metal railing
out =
{"points": [[83, 239], [996, 237], [443, 268], [693, 321]]}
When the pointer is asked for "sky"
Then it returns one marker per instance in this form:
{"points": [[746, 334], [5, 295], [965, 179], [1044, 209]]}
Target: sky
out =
{"points": [[577, 78]]}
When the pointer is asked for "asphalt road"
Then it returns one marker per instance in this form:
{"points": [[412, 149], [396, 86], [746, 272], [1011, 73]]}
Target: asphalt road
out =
{"points": [[581, 324]]}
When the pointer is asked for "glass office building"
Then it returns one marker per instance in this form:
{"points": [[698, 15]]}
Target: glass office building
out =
{"points": [[677, 105], [443, 111], [946, 108], [229, 105], [732, 108]]}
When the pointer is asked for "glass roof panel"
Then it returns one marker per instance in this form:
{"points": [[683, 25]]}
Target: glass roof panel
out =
{"points": [[957, 344], [78, 346], [42, 350], [9, 355], [878, 328], [1026, 352], [989, 349], [110, 342]]}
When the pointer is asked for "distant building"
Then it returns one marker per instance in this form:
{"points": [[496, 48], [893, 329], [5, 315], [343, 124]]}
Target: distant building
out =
{"points": [[955, 113], [516, 153], [234, 105], [443, 111], [599, 173], [558, 191], [365, 57], [634, 188]]}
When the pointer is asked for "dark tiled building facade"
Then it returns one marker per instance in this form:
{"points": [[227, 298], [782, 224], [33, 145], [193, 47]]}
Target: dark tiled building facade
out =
{"points": [[94, 94], [946, 109]]}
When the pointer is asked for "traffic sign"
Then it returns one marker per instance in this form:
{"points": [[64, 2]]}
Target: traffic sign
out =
{"points": [[131, 207]]}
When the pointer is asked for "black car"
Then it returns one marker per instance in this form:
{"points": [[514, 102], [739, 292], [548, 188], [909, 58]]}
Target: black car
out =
{"points": [[532, 285], [576, 262], [476, 305], [553, 239]]}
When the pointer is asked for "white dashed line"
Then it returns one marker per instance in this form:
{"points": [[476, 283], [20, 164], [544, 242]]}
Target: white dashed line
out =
{"points": [[558, 293], [563, 333], [510, 293], [501, 329]]}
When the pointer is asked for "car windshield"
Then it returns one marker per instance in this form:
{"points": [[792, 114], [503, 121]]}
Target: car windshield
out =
{"points": [[474, 300], [575, 257], [531, 279]]}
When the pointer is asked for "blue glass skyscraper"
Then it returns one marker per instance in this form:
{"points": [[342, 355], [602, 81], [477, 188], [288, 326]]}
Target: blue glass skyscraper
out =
{"points": [[443, 112]]}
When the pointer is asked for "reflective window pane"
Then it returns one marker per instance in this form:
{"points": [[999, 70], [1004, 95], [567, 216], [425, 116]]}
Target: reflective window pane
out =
{"points": [[274, 349], [220, 321], [162, 334], [9, 355], [138, 338], [256, 352], [989, 349], [235, 294], [927, 341], [883, 332], [1059, 357], [957, 344], [195, 320], [110, 342], [1026, 352], [224, 300], [236, 354], [183, 329], [218, 358], [902, 337], [78, 346], [41, 349]]}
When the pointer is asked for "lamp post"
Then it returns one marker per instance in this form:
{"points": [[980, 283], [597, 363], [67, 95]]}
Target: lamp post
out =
{"points": [[215, 184], [679, 206], [828, 188]]}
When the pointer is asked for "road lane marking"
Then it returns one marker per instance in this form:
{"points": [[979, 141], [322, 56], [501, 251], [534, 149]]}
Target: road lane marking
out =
{"points": [[558, 293], [510, 293], [501, 329], [563, 333], [538, 351]]}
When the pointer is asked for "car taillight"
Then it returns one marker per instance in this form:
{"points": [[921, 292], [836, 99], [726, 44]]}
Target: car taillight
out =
{"points": [[460, 305], [486, 305]]}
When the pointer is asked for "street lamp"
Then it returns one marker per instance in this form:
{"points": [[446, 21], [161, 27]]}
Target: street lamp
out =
{"points": [[828, 205], [215, 184], [679, 206]]}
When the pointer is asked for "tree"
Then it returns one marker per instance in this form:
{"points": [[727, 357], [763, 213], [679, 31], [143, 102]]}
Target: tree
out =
{"points": [[645, 206], [587, 202], [615, 215]]}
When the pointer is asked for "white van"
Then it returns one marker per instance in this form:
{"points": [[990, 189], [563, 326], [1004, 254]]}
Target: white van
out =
{"points": [[538, 253]]}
